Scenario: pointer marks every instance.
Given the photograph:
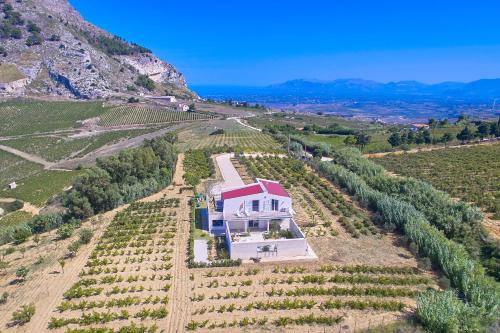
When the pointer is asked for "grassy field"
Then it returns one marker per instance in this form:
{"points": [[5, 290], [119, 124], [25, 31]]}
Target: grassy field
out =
{"points": [[55, 148], [470, 173], [140, 114], [29, 116], [41, 187], [13, 168]]}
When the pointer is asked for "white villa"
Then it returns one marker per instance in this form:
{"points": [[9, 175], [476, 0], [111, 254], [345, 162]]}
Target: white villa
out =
{"points": [[257, 222]]}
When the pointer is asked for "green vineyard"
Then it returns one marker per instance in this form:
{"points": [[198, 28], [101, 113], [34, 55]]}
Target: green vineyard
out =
{"points": [[446, 170], [136, 115], [244, 140], [27, 116]]}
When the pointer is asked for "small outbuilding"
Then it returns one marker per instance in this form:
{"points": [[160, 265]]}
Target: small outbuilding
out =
{"points": [[12, 185]]}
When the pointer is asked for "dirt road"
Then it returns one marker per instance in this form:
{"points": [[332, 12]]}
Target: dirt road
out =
{"points": [[26, 156]]}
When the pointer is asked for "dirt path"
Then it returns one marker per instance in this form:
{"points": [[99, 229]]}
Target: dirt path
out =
{"points": [[238, 120], [418, 150], [179, 305], [26, 156]]}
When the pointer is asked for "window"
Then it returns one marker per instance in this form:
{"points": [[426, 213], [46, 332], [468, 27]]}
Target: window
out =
{"points": [[253, 224], [217, 223], [274, 204], [255, 205]]}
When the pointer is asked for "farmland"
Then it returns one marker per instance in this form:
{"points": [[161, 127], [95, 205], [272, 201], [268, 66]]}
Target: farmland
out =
{"points": [[136, 275], [234, 137], [13, 168], [470, 173], [127, 278], [39, 188], [288, 297], [55, 148], [20, 117], [360, 281], [133, 115]]}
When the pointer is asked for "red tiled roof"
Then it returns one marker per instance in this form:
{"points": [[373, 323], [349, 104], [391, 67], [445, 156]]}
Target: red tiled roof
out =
{"points": [[242, 192], [274, 188]]}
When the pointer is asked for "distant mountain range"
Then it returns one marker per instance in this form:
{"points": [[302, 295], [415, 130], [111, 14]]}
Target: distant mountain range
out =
{"points": [[302, 90]]}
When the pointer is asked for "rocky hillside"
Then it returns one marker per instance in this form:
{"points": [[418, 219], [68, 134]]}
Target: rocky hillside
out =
{"points": [[47, 48]]}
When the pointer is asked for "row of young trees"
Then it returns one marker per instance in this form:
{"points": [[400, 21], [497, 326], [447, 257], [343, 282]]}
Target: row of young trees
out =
{"points": [[133, 174], [436, 310]]}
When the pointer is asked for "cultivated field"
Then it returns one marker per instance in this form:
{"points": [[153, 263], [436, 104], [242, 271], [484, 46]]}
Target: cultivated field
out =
{"points": [[21, 117], [42, 186], [235, 137], [134, 115], [14, 168], [471, 173], [128, 279], [54, 148], [284, 298], [128, 275]]}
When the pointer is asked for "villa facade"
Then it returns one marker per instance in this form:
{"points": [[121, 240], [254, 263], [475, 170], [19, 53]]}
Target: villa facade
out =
{"points": [[256, 221]]}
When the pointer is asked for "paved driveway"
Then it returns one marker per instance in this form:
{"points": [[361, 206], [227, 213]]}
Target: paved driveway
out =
{"points": [[229, 174], [200, 250]]}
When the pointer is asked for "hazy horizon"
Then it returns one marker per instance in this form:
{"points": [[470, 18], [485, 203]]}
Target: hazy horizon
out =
{"points": [[259, 43]]}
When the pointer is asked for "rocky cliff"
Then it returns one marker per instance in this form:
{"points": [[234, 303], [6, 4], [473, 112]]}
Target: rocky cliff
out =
{"points": [[57, 52]]}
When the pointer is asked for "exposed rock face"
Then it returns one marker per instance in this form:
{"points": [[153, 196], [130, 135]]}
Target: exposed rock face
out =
{"points": [[78, 59]]}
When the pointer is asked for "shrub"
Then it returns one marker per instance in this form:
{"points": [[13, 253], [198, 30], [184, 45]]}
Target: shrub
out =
{"points": [[85, 236], [34, 39], [23, 315], [43, 223], [22, 273], [55, 38], [21, 234], [145, 82], [73, 248], [65, 231], [4, 297]]}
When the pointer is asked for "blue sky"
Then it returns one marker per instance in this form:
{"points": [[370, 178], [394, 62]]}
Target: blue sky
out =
{"points": [[257, 42]]}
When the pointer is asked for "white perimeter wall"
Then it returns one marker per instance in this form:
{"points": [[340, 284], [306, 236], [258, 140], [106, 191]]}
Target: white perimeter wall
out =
{"points": [[286, 248]]}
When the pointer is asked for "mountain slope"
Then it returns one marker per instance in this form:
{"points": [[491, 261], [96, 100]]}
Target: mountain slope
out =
{"points": [[59, 53]]}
